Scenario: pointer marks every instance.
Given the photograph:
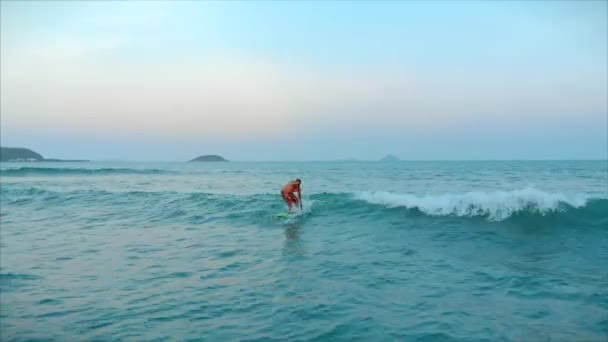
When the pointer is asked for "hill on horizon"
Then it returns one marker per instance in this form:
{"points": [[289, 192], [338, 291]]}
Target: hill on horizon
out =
{"points": [[209, 158], [22, 154], [390, 157]]}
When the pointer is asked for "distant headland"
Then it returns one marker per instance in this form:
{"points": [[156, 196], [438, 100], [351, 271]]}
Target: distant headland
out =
{"points": [[209, 158], [20, 154], [389, 157]]}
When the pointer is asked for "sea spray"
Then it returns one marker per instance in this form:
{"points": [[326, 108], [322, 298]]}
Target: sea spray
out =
{"points": [[497, 205]]}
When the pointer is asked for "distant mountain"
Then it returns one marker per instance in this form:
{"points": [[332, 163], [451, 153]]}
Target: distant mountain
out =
{"points": [[389, 157], [20, 154], [209, 158]]}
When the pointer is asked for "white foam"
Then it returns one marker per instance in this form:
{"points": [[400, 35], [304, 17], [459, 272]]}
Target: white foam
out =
{"points": [[497, 205], [307, 205]]}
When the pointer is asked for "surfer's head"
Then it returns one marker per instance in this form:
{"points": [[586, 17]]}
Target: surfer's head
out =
{"points": [[298, 181]]}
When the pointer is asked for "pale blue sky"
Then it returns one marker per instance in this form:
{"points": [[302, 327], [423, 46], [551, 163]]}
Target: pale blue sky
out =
{"points": [[300, 80]]}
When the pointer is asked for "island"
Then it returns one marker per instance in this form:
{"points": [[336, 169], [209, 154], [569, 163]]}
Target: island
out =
{"points": [[209, 158], [21, 154], [389, 158]]}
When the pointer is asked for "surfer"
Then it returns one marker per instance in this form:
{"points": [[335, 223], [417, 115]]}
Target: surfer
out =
{"points": [[288, 194]]}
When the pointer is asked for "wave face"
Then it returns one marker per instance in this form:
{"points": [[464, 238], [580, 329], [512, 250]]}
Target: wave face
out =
{"points": [[408, 251], [493, 206]]}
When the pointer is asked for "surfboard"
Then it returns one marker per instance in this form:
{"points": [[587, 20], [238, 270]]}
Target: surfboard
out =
{"points": [[283, 215], [289, 215]]}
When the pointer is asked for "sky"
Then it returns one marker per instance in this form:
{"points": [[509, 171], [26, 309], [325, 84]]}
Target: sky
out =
{"points": [[305, 80]]}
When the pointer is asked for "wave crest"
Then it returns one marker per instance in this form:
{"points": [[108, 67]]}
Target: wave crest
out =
{"points": [[496, 206]]}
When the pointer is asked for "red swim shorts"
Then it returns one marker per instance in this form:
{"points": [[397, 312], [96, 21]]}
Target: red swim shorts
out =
{"points": [[289, 197]]}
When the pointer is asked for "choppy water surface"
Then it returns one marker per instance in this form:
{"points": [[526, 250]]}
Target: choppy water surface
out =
{"points": [[383, 251]]}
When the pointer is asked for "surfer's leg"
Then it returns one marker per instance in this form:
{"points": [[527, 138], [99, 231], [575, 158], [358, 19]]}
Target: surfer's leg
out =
{"points": [[293, 201], [287, 200]]}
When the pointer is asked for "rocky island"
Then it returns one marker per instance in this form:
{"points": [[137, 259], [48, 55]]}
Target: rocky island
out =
{"points": [[389, 158], [20, 154], [209, 158]]}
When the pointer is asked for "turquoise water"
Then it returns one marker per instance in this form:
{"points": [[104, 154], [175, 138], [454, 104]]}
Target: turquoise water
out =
{"points": [[429, 251]]}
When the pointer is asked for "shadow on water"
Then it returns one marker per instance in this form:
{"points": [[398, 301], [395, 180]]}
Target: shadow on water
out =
{"points": [[293, 243]]}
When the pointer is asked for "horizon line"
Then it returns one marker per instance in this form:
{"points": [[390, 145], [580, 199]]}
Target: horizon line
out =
{"points": [[57, 160]]}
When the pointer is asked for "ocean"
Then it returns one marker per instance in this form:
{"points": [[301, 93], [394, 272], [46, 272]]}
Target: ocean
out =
{"points": [[383, 251]]}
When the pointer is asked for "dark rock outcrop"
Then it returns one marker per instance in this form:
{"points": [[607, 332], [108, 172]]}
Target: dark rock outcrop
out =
{"points": [[209, 158], [19, 154]]}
